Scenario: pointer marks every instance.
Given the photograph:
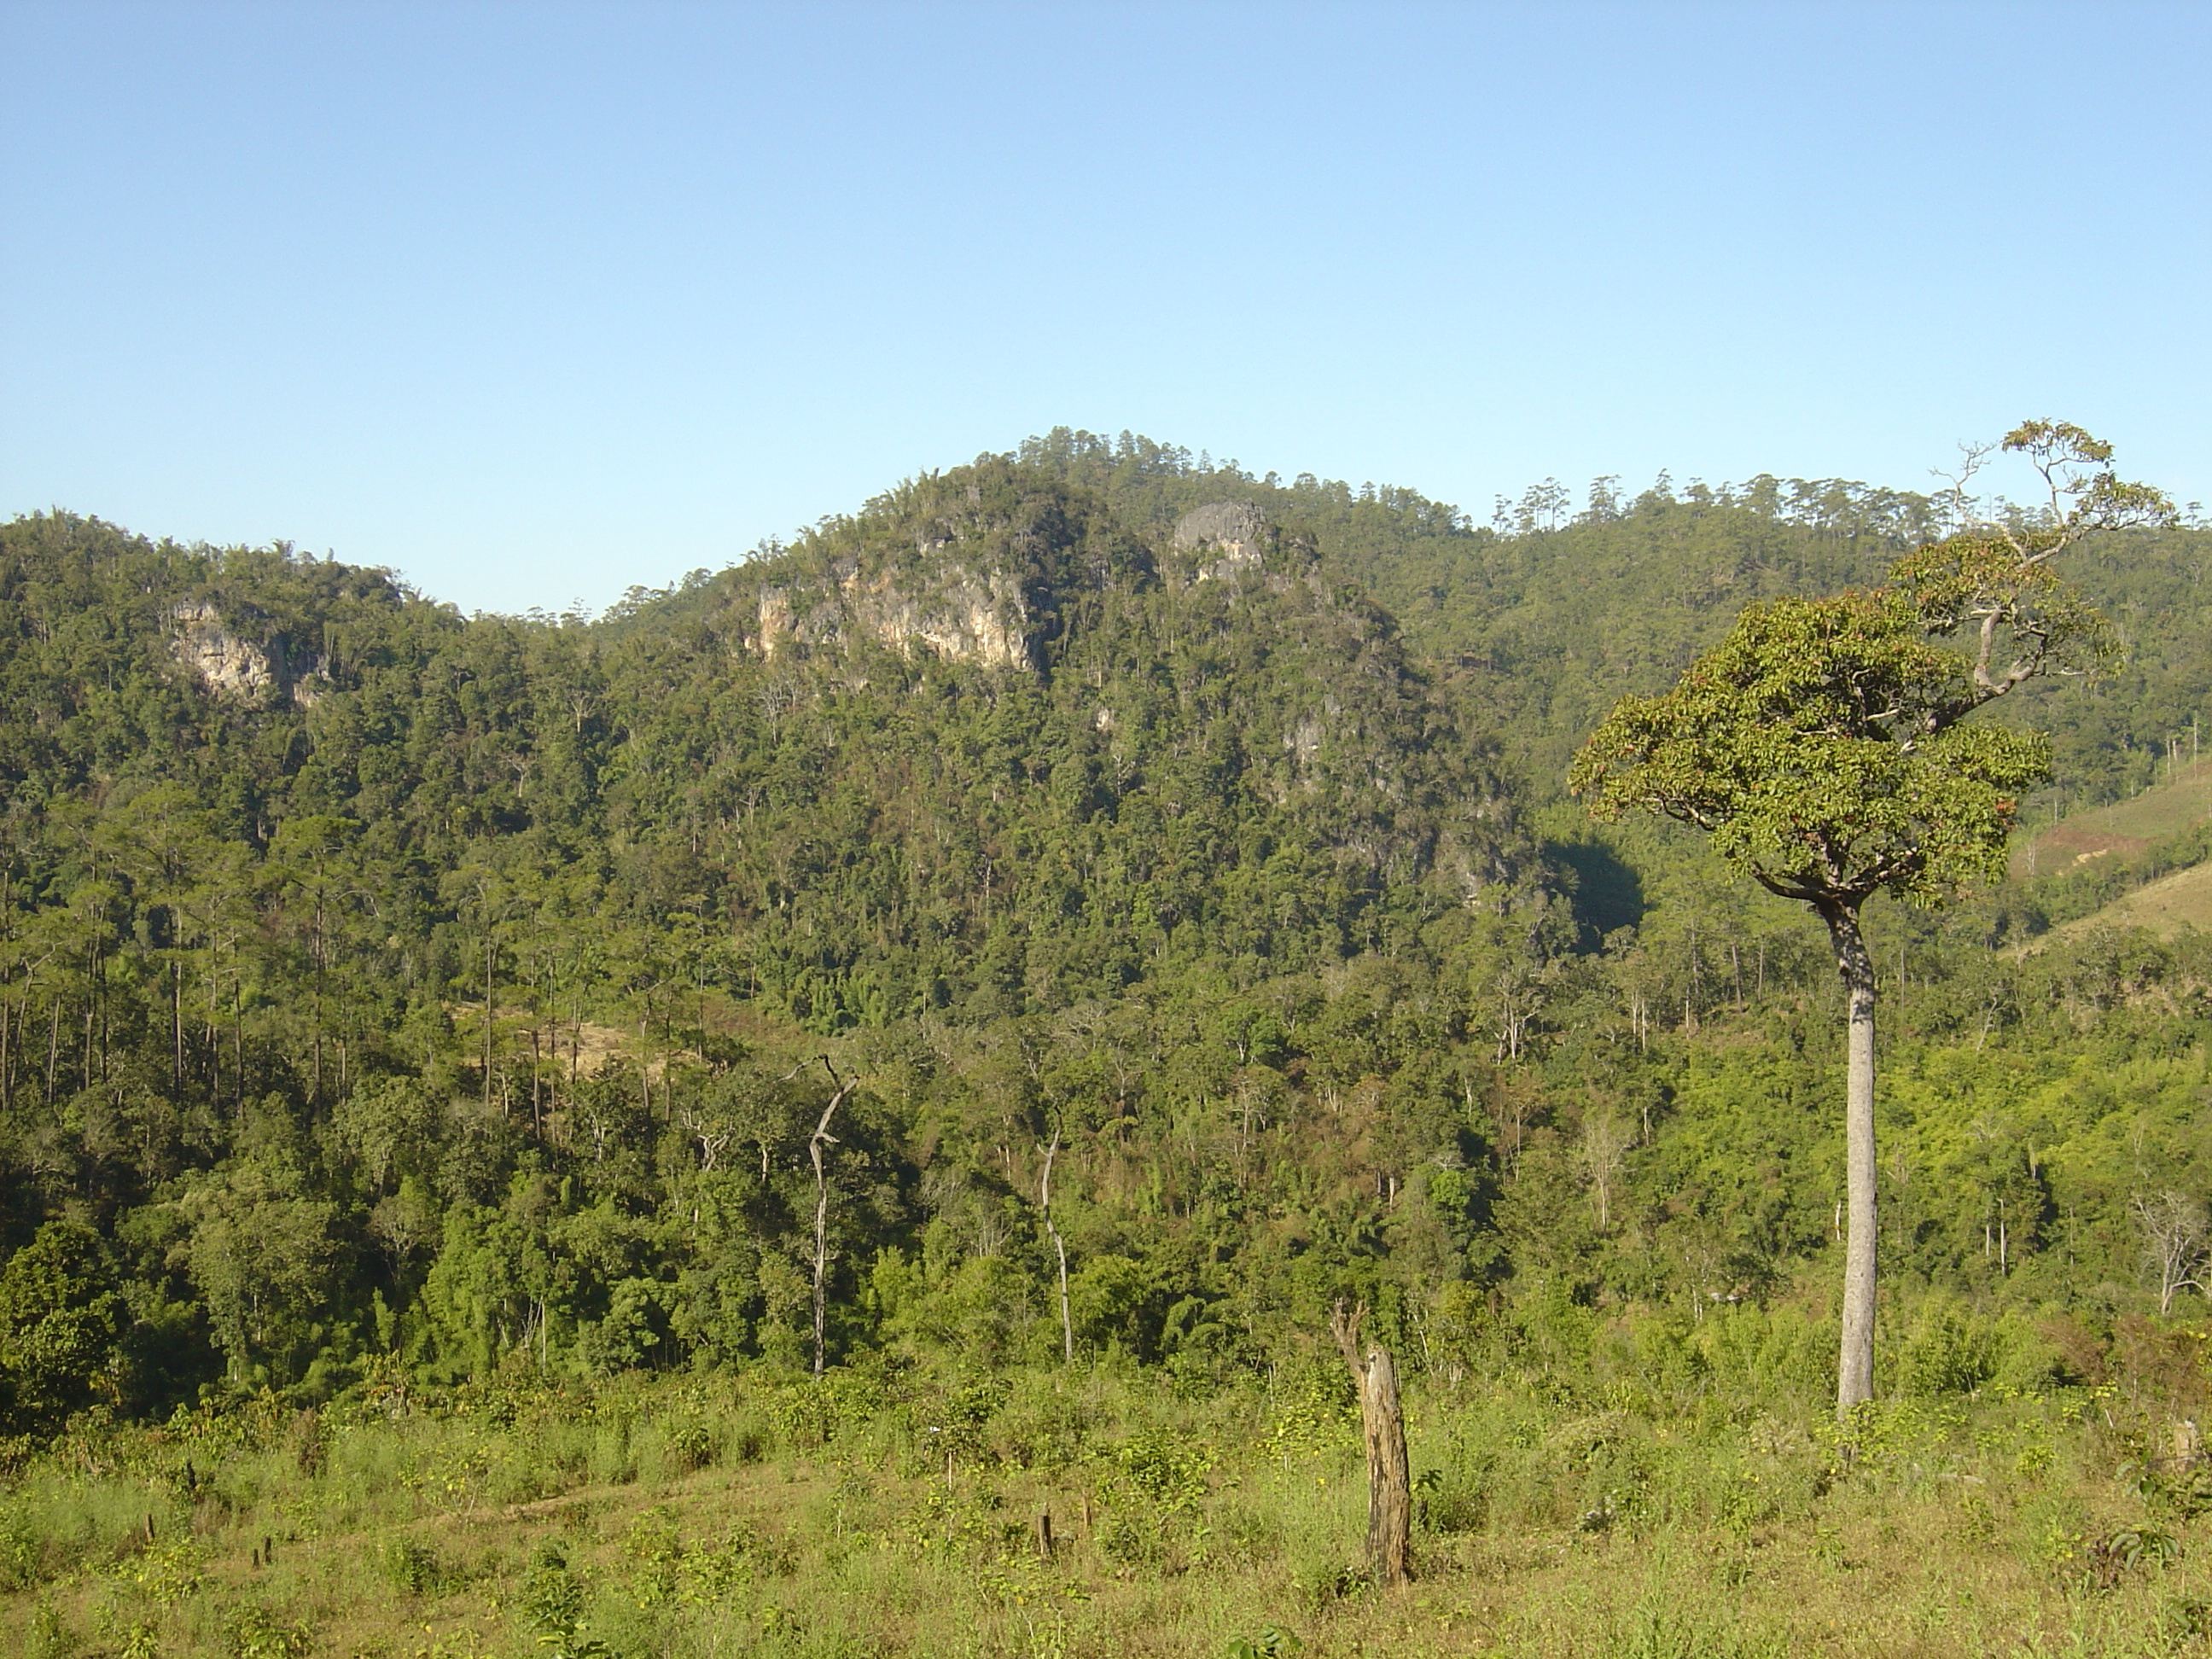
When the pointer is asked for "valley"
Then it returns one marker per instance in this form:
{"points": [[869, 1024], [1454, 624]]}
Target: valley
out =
{"points": [[684, 1131]]}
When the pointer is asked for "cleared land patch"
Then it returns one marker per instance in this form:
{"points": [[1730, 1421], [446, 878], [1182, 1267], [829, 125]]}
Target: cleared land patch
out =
{"points": [[2121, 831], [874, 1518], [2168, 906]]}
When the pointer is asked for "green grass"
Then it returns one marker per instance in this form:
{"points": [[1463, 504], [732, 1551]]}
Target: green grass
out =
{"points": [[874, 1513], [2167, 907], [2124, 830]]}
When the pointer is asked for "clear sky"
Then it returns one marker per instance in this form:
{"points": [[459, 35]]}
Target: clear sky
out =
{"points": [[534, 302]]}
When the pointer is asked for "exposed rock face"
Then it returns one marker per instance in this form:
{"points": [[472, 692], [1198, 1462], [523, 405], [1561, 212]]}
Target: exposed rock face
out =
{"points": [[957, 613], [223, 661], [987, 566], [1237, 531], [238, 668]]}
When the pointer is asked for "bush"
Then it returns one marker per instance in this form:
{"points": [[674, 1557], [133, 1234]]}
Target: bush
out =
{"points": [[255, 1632], [1949, 1353], [682, 1446], [414, 1568]]}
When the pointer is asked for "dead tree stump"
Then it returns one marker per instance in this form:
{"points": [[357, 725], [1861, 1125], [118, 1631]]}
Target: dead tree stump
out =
{"points": [[1382, 1425]]}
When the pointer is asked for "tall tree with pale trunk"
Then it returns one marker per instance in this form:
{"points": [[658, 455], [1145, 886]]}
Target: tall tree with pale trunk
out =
{"points": [[1823, 747]]}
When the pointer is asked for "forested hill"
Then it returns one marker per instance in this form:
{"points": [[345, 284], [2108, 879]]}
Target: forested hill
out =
{"points": [[1559, 602], [977, 749], [384, 991]]}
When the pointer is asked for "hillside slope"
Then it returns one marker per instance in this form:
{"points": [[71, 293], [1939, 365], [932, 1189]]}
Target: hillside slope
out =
{"points": [[1554, 607], [2123, 829], [2168, 906], [390, 995]]}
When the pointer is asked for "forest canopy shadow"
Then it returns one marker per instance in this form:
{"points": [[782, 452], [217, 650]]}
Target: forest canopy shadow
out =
{"points": [[1606, 892]]}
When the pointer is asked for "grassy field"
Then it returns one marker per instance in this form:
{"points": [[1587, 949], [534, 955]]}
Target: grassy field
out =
{"points": [[871, 1514], [2166, 906], [2124, 830]]}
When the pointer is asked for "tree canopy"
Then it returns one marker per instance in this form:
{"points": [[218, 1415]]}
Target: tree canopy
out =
{"points": [[386, 993], [1820, 746]]}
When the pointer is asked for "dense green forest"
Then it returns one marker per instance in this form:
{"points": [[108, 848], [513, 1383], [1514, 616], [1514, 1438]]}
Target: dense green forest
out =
{"points": [[391, 998]]}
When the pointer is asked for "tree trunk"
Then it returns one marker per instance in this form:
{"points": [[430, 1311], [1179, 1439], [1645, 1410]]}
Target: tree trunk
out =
{"points": [[822, 1138], [490, 949], [1855, 1366], [1059, 1245], [1382, 1425]]}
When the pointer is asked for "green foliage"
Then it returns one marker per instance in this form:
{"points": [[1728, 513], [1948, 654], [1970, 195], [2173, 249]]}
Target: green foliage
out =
{"points": [[61, 1324], [405, 1007], [1950, 1353], [553, 1602], [414, 1567], [1820, 747], [255, 1632]]}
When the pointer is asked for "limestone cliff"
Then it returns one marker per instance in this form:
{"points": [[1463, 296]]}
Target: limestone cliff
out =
{"points": [[1236, 533], [955, 612], [225, 662], [979, 568]]}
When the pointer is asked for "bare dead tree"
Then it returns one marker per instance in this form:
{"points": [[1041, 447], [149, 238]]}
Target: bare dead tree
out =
{"points": [[1604, 1148], [1519, 996], [815, 1142], [2175, 1236], [1382, 1425], [1059, 1246], [713, 1135], [1514, 1105]]}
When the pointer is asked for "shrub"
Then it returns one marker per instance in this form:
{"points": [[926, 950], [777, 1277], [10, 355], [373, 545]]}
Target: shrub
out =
{"points": [[1950, 1352], [413, 1567]]}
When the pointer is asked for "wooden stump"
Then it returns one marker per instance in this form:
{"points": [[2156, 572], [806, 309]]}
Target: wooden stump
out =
{"points": [[1382, 1425]]}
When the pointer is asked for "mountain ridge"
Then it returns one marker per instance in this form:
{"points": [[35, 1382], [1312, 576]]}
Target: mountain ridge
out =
{"points": [[1146, 832]]}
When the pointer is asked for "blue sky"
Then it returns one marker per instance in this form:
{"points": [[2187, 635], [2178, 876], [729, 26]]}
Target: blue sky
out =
{"points": [[535, 302]]}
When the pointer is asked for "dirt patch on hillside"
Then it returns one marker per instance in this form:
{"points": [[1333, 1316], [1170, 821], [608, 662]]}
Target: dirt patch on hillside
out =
{"points": [[2075, 844]]}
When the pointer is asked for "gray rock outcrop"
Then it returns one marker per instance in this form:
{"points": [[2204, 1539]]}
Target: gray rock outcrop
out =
{"points": [[221, 660], [1237, 532], [235, 667], [959, 614]]}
